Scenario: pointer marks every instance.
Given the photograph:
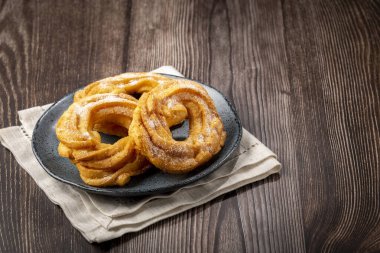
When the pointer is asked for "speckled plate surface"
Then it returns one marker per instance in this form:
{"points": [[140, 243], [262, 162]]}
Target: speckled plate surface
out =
{"points": [[45, 143]]}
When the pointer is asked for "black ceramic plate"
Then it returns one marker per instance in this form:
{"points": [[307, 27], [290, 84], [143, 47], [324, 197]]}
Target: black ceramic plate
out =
{"points": [[45, 145]]}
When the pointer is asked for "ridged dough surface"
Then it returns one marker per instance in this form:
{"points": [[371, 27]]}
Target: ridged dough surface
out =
{"points": [[152, 135]]}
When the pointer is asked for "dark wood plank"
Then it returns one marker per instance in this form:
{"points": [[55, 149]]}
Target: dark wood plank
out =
{"points": [[333, 69], [260, 85], [304, 76], [48, 49], [231, 64]]}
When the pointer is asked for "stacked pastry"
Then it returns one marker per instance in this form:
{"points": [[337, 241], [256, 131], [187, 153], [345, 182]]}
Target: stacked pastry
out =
{"points": [[107, 106]]}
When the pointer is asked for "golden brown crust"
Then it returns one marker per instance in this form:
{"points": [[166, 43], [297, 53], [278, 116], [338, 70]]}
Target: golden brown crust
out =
{"points": [[106, 106], [100, 164], [152, 135], [126, 83]]}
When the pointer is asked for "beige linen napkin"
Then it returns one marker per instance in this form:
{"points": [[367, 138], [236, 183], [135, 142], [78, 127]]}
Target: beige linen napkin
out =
{"points": [[101, 218]]}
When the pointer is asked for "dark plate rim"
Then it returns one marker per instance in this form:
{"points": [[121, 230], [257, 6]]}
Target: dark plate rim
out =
{"points": [[132, 193]]}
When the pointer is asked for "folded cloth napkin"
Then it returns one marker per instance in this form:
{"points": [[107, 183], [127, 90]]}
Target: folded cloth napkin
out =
{"points": [[101, 218]]}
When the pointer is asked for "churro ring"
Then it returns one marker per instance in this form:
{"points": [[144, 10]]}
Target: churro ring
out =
{"points": [[75, 127], [100, 164], [126, 83], [151, 133], [119, 177], [113, 165], [94, 111]]}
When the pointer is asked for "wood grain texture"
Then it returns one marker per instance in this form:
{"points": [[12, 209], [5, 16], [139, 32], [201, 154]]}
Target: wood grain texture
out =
{"points": [[303, 75]]}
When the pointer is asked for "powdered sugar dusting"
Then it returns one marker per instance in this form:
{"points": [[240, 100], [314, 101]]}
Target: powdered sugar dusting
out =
{"points": [[112, 98], [86, 135], [151, 124], [79, 110], [134, 82], [103, 85], [171, 103]]}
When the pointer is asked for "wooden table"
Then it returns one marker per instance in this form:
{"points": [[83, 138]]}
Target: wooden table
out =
{"points": [[304, 77]]}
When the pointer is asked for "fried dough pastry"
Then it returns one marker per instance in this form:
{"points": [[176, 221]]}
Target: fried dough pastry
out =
{"points": [[100, 164], [112, 165], [75, 127], [126, 83], [106, 106], [151, 133], [103, 164]]}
